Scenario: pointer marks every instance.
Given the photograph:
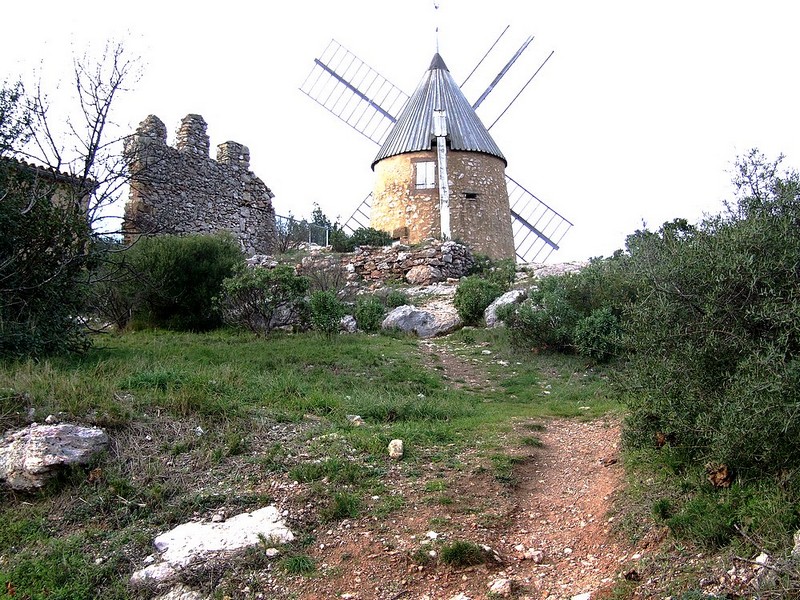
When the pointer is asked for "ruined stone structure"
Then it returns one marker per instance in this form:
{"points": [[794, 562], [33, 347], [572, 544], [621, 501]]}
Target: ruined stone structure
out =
{"points": [[440, 174], [182, 190]]}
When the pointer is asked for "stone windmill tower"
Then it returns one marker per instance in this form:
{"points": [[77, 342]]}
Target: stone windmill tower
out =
{"points": [[439, 173]]}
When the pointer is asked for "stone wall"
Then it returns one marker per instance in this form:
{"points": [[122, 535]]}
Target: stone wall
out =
{"points": [[182, 190], [435, 261], [479, 210]]}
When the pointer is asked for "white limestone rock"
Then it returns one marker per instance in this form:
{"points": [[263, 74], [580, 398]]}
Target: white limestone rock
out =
{"points": [[193, 542], [437, 318], [396, 449], [31, 456], [490, 314]]}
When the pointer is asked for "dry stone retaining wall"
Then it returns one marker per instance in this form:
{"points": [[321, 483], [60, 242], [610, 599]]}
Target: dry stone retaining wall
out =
{"points": [[446, 260], [182, 190]]}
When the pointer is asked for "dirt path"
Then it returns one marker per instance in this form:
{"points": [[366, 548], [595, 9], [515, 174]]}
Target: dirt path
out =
{"points": [[549, 533]]}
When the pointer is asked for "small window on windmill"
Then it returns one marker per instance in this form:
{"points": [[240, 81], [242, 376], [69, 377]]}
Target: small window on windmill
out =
{"points": [[471, 195], [426, 175]]}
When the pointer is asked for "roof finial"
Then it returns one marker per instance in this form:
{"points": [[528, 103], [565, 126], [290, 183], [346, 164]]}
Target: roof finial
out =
{"points": [[436, 23]]}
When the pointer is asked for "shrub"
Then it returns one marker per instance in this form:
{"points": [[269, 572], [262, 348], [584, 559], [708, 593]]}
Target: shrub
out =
{"points": [[546, 319], [326, 312], [45, 247], [472, 297], [260, 299], [502, 272], [598, 335], [363, 236], [178, 278], [714, 367], [397, 298], [369, 313]]}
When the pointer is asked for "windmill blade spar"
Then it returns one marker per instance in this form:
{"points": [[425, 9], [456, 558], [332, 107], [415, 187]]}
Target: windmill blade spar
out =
{"points": [[347, 87]]}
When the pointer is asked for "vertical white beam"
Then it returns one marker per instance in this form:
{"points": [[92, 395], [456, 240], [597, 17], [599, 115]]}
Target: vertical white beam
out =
{"points": [[440, 131]]}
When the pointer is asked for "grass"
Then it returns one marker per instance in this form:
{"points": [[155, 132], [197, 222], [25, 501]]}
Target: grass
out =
{"points": [[193, 421], [462, 554]]}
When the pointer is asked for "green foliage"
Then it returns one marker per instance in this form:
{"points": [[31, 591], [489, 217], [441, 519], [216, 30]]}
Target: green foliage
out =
{"points": [[298, 564], [462, 554], [326, 312], [501, 272], [598, 335], [343, 505], [714, 332], [260, 299], [472, 297], [397, 298], [575, 311], [369, 313], [177, 278], [363, 236], [45, 247]]}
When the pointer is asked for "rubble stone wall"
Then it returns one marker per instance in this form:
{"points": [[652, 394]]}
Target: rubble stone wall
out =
{"points": [[392, 263], [182, 190]]}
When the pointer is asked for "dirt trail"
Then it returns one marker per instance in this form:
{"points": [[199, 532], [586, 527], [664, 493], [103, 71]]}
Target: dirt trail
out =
{"points": [[551, 531]]}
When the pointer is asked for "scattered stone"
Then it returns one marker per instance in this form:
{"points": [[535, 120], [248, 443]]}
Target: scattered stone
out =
{"points": [[490, 314], [262, 260], [584, 596], [355, 420], [438, 318], [536, 556], [193, 542], [31, 456], [181, 592], [396, 449], [50, 419], [501, 588], [460, 596], [796, 549], [762, 559]]}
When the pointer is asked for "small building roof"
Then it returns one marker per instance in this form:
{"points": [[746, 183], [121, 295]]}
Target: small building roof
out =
{"points": [[414, 128]]}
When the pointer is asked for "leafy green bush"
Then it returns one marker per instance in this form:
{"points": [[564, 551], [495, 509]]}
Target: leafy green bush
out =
{"points": [[260, 299], [369, 313], [472, 297], [397, 298], [598, 335], [326, 312], [546, 319], [502, 272], [363, 236], [714, 332], [45, 246], [178, 277]]}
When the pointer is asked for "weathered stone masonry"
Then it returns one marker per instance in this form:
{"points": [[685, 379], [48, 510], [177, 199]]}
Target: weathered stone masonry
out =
{"points": [[182, 190]]}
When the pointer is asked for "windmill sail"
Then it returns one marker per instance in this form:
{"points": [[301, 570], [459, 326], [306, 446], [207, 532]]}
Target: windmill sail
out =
{"points": [[360, 96], [538, 229], [369, 103]]}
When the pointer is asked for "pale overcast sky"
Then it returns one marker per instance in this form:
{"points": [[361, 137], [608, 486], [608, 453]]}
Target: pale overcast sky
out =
{"points": [[636, 118]]}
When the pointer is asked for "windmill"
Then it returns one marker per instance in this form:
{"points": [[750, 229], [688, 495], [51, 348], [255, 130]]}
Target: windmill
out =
{"points": [[426, 137]]}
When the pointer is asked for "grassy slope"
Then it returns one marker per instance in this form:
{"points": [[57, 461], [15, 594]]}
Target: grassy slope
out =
{"points": [[254, 400]]}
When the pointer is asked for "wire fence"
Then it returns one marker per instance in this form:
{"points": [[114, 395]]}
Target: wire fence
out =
{"points": [[291, 233]]}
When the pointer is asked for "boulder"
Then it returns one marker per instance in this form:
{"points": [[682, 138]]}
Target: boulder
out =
{"points": [[438, 318], [348, 324], [424, 275], [195, 542], [490, 314], [31, 456]]}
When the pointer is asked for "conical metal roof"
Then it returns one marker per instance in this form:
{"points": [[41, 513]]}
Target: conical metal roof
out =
{"points": [[414, 128]]}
